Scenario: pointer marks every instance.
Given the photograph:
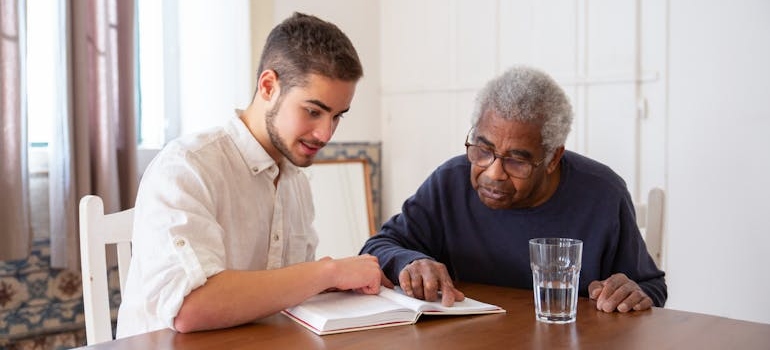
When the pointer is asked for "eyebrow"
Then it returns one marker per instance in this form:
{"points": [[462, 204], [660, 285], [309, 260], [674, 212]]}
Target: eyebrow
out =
{"points": [[323, 106], [512, 152]]}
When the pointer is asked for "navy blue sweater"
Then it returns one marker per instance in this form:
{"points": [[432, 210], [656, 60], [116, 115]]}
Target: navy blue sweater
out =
{"points": [[446, 221]]}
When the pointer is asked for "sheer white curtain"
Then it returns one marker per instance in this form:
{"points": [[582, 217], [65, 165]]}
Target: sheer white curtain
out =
{"points": [[15, 230], [94, 147]]}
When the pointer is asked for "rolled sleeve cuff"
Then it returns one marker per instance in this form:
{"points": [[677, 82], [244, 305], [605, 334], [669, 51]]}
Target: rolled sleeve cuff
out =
{"points": [[184, 278]]}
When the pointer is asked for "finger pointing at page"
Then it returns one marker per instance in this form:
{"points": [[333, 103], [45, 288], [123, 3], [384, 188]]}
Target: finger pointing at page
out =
{"points": [[424, 278]]}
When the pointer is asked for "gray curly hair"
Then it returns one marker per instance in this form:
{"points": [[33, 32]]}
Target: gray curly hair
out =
{"points": [[527, 94]]}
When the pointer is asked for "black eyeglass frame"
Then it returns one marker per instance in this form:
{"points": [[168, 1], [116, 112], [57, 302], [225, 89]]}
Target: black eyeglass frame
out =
{"points": [[495, 156]]}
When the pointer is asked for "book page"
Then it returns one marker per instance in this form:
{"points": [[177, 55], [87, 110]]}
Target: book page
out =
{"points": [[343, 310], [467, 306]]}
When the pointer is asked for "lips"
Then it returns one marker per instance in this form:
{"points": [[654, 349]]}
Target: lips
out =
{"points": [[492, 193], [311, 148]]}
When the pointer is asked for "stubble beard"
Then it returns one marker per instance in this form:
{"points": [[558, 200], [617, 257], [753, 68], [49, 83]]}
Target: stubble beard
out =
{"points": [[278, 142]]}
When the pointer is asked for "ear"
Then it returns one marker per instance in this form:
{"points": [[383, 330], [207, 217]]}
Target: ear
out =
{"points": [[267, 85], [554, 163]]}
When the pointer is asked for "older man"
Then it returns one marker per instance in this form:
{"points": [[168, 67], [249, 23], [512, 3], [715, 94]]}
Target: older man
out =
{"points": [[471, 220]]}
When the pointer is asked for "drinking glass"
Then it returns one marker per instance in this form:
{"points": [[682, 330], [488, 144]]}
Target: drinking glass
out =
{"points": [[555, 266]]}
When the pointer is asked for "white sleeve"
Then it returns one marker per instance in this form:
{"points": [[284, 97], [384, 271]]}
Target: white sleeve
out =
{"points": [[176, 236]]}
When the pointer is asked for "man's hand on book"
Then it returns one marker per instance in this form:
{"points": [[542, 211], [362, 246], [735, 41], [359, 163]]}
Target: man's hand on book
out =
{"points": [[384, 281], [427, 280], [360, 273]]}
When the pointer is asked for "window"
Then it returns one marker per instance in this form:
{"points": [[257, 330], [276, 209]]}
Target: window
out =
{"points": [[163, 28], [156, 32], [46, 69]]}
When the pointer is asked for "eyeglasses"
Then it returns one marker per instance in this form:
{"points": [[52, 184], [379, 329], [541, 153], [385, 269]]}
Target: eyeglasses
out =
{"points": [[484, 157]]}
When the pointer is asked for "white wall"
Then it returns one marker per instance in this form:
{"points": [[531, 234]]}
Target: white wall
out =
{"points": [[718, 236], [435, 55], [214, 62]]}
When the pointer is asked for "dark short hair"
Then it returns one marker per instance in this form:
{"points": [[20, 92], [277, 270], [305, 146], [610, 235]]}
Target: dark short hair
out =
{"points": [[304, 44]]}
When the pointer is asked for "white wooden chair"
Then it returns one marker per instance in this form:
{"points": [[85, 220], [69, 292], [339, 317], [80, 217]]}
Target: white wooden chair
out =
{"points": [[649, 218], [98, 230]]}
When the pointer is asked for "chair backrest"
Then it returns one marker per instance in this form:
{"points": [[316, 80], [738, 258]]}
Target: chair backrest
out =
{"points": [[649, 218], [98, 230]]}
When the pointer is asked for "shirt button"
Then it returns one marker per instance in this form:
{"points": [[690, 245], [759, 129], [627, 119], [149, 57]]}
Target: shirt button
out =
{"points": [[275, 238], [179, 243], [255, 169]]}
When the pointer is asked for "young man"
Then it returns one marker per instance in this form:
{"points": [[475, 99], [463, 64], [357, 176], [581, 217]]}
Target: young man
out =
{"points": [[471, 220], [222, 230]]}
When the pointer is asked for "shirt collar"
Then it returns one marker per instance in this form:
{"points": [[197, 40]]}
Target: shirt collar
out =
{"points": [[254, 155]]}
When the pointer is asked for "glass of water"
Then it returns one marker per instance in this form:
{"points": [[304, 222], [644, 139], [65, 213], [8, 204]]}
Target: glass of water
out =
{"points": [[555, 266]]}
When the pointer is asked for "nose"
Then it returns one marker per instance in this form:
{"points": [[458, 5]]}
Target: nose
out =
{"points": [[495, 170], [325, 129]]}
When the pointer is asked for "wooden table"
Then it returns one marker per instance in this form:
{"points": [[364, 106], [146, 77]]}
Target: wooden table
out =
{"points": [[653, 329]]}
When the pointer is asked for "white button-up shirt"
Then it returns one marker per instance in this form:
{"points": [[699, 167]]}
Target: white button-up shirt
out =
{"points": [[208, 203]]}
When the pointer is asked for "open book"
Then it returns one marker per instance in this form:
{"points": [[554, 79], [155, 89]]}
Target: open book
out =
{"points": [[338, 312]]}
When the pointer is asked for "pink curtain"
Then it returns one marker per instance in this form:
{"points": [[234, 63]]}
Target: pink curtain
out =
{"points": [[94, 148], [15, 227]]}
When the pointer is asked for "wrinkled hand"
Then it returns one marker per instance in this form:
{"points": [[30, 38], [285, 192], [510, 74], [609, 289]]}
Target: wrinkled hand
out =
{"points": [[360, 273], [620, 293], [424, 278]]}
